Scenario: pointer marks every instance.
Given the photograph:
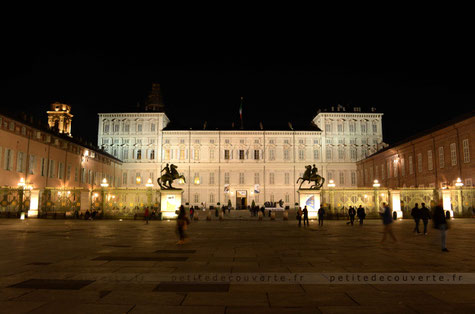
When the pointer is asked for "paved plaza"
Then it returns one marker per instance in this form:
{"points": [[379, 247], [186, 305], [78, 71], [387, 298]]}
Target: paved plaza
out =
{"points": [[111, 266]]}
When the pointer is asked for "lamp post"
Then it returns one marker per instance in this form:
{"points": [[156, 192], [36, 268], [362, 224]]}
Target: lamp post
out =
{"points": [[104, 185], [459, 185], [331, 184], [376, 186]]}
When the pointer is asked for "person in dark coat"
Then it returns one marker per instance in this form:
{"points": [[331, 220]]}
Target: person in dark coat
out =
{"points": [[425, 216], [192, 212], [182, 223], [416, 214], [361, 214], [299, 216], [321, 214], [351, 213], [387, 222], [305, 216], [146, 215], [438, 217]]}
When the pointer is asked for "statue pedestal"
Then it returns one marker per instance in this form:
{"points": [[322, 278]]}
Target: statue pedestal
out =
{"points": [[170, 202], [311, 199]]}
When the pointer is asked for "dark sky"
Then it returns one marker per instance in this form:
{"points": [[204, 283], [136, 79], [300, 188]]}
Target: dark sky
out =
{"points": [[415, 85]]}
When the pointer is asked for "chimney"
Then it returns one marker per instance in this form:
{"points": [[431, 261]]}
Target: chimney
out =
{"points": [[154, 100]]}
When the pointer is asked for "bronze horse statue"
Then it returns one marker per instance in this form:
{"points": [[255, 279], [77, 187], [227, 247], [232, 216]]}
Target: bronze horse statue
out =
{"points": [[311, 175], [170, 175]]}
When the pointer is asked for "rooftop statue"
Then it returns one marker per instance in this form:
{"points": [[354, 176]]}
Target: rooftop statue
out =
{"points": [[311, 175]]}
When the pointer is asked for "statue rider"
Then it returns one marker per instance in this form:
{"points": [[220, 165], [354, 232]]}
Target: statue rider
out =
{"points": [[166, 169], [314, 171]]}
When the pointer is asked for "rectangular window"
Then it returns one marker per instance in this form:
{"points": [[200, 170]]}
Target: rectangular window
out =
{"points": [[271, 154], [430, 163], [441, 157], [241, 178], [139, 127], [375, 128], [353, 154], [51, 168], [256, 178], [301, 154], [316, 154], [286, 178], [32, 164], [453, 154], [466, 151], [8, 159], [43, 167], [286, 154], [271, 178], [126, 128], [196, 198], [403, 167], [211, 198], [342, 178], [211, 154], [352, 127], [419, 162], [124, 178], [340, 127], [152, 127], [68, 173], [328, 127], [60, 170], [411, 166], [211, 178], [353, 178], [20, 165], [383, 173], [363, 127], [116, 128], [226, 178], [256, 154], [341, 153], [241, 154], [329, 153]]}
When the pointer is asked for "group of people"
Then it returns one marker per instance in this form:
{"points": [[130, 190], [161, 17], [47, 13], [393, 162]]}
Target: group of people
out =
{"points": [[304, 214], [438, 217], [360, 212]]}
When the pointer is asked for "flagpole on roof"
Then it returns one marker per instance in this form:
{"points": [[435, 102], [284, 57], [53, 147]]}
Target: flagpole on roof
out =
{"points": [[240, 113]]}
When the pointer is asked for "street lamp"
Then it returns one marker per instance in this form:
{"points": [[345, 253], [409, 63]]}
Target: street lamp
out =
{"points": [[149, 183], [459, 183], [104, 183], [376, 184], [331, 184]]}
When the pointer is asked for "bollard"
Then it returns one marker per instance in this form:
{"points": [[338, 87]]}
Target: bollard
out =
{"points": [[286, 215], [259, 215]]}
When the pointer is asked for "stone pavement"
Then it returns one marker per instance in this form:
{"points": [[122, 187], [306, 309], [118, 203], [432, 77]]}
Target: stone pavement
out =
{"points": [[110, 266]]}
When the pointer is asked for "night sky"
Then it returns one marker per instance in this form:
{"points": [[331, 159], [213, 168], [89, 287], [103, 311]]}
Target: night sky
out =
{"points": [[416, 87]]}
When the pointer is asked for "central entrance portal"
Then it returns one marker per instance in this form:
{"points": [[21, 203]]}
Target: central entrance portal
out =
{"points": [[241, 199]]}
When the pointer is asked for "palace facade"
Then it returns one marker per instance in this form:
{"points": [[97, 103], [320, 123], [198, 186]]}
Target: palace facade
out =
{"points": [[257, 165]]}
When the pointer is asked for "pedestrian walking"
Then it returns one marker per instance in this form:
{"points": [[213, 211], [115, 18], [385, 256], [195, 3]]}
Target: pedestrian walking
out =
{"points": [[416, 215], [146, 215], [299, 216], [425, 216], [321, 215], [351, 214], [387, 222], [305, 216], [182, 223], [440, 223], [361, 214], [192, 212]]}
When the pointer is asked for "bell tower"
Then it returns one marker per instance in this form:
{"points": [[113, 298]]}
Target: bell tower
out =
{"points": [[59, 118]]}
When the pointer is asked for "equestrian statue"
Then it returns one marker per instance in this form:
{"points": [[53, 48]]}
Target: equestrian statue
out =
{"points": [[311, 175], [170, 175]]}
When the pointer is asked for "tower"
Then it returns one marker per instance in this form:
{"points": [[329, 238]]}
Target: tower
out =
{"points": [[59, 118], [154, 100]]}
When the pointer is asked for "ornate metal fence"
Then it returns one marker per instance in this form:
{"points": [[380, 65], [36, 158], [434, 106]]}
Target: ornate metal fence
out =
{"points": [[124, 202], [60, 202], [13, 201]]}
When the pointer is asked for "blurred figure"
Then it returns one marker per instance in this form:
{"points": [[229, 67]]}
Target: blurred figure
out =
{"points": [[146, 215], [361, 214], [182, 223], [440, 223], [305, 216], [321, 215], [425, 216], [299, 216], [351, 213], [416, 215], [387, 222], [192, 212]]}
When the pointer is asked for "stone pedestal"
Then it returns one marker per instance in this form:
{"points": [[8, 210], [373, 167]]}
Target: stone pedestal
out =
{"points": [[170, 203], [311, 199]]}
